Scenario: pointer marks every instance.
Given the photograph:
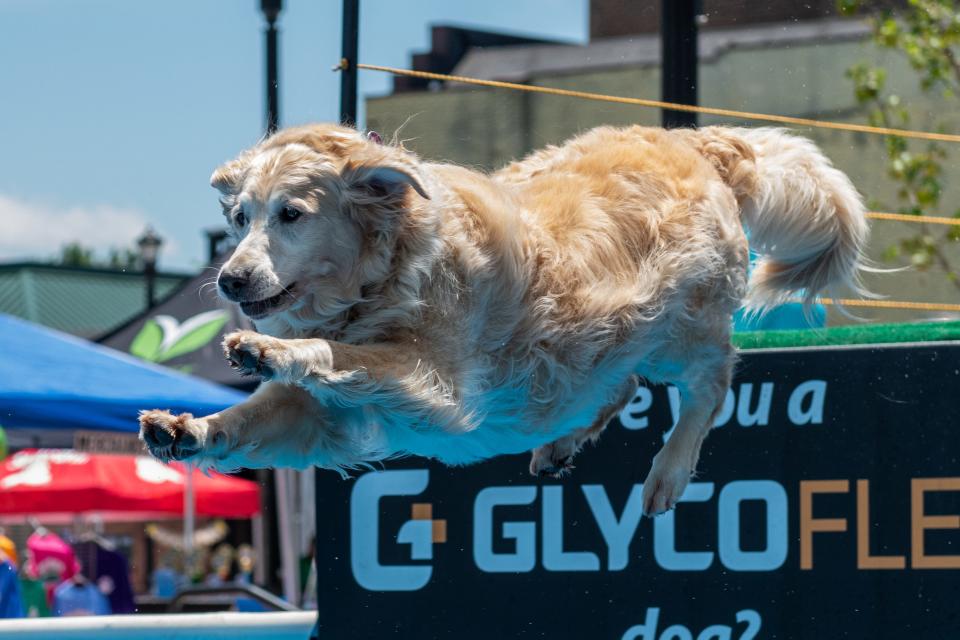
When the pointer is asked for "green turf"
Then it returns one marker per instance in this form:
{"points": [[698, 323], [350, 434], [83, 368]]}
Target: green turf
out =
{"points": [[855, 334]]}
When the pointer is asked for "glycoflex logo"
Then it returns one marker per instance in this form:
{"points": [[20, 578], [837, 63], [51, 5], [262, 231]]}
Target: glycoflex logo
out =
{"points": [[538, 541], [421, 531]]}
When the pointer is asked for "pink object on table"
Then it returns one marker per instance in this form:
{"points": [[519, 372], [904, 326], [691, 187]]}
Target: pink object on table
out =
{"points": [[50, 555]]}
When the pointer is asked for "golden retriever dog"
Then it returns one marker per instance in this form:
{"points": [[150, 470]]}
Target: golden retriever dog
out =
{"points": [[406, 307]]}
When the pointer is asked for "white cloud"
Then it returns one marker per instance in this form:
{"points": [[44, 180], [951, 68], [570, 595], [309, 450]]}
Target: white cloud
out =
{"points": [[39, 230]]}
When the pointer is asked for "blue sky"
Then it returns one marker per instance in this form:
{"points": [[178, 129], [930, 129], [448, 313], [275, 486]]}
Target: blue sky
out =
{"points": [[114, 113]]}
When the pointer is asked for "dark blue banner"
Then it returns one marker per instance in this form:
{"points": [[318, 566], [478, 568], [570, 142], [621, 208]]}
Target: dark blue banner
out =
{"points": [[825, 506]]}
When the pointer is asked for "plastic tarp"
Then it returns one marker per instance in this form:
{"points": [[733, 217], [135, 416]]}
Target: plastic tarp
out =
{"points": [[37, 481], [51, 380], [41, 481]]}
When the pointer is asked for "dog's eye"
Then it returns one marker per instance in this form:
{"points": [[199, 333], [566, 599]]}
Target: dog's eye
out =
{"points": [[289, 214], [240, 218]]}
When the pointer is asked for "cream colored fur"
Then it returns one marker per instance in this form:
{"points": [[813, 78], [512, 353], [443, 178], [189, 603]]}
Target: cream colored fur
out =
{"points": [[437, 311]]}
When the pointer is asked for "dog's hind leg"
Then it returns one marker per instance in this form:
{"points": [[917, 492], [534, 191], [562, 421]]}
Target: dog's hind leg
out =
{"points": [[556, 459], [703, 386]]}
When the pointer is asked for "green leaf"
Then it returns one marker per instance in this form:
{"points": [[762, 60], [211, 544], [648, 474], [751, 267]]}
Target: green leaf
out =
{"points": [[146, 344], [887, 32], [195, 339], [848, 7]]}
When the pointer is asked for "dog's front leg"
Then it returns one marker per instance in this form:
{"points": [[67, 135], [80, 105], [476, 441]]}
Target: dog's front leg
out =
{"points": [[393, 377], [278, 425]]}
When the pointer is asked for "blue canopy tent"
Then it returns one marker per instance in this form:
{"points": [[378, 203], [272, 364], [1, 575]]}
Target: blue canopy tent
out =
{"points": [[50, 381]]}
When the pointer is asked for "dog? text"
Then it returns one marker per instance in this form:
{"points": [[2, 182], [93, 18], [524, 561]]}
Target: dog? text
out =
{"points": [[648, 630]]}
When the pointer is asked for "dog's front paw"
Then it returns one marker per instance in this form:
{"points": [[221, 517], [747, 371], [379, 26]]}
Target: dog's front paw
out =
{"points": [[252, 353], [666, 482], [169, 437]]}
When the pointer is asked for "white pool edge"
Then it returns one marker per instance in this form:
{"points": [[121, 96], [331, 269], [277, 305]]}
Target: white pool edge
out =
{"points": [[281, 625]]}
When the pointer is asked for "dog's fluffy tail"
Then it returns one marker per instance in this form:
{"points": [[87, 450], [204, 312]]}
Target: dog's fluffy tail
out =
{"points": [[804, 216]]}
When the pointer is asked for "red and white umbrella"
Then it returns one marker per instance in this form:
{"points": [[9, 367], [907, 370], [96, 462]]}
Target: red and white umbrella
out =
{"points": [[63, 481]]}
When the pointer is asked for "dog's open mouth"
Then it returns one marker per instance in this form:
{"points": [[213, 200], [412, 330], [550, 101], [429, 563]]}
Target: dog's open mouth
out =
{"points": [[256, 309]]}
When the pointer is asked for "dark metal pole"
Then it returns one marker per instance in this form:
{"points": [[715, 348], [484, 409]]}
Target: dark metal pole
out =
{"points": [[266, 477], [150, 272], [271, 10], [348, 62], [348, 116], [678, 42]]}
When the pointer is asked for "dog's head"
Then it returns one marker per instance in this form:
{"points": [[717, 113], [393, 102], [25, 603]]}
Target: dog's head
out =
{"points": [[307, 205]]}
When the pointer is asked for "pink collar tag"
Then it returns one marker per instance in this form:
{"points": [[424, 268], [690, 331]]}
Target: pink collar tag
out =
{"points": [[373, 136]]}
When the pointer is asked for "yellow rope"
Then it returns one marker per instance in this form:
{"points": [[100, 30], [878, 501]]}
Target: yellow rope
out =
{"points": [[893, 304], [877, 215], [906, 217], [806, 122], [746, 115]]}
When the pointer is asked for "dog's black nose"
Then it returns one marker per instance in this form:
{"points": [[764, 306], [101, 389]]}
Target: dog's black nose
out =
{"points": [[233, 284]]}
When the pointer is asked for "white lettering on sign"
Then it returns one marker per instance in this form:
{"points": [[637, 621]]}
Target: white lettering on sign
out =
{"points": [[648, 630], [774, 497], [632, 416], [508, 543], [554, 556], [805, 405], [33, 467], [664, 549], [761, 414], [523, 534], [618, 531], [368, 571], [155, 472]]}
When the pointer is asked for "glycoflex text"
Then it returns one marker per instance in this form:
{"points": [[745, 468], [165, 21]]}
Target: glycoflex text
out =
{"points": [[545, 525]]}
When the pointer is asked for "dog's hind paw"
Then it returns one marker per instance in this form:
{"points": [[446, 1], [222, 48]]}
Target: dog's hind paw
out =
{"points": [[169, 437], [549, 462], [664, 485]]}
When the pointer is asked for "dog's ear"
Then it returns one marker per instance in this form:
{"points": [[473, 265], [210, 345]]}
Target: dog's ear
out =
{"points": [[228, 177], [383, 184]]}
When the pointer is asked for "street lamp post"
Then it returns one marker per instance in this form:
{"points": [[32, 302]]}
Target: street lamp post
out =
{"points": [[149, 244], [271, 547]]}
